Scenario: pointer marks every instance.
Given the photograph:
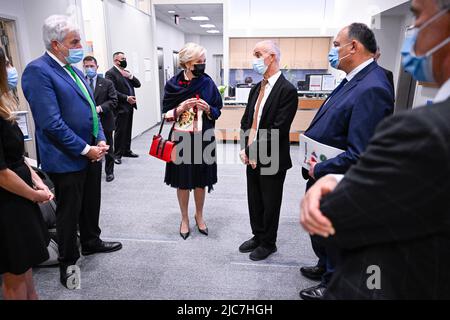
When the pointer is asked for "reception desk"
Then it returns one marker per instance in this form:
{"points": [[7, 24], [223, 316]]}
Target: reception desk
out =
{"points": [[228, 125]]}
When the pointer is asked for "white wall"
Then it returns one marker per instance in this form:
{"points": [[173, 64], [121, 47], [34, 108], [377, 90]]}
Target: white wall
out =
{"points": [[390, 37], [130, 31], [213, 45], [170, 39]]}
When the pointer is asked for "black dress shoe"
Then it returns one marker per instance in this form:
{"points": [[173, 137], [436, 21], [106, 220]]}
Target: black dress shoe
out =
{"points": [[109, 177], [313, 273], [130, 154], [101, 247], [261, 253], [69, 276], [249, 245], [184, 235], [118, 161], [203, 231], [313, 293]]}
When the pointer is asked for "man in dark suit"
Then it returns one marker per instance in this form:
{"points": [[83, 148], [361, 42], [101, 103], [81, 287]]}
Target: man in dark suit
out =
{"points": [[70, 140], [270, 110], [124, 82], [390, 216], [388, 73], [346, 120], [106, 102]]}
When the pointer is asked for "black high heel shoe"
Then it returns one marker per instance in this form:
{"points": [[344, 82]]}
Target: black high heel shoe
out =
{"points": [[184, 235], [203, 231]]}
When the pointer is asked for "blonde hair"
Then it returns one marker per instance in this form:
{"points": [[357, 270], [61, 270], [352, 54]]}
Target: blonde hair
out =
{"points": [[190, 52], [8, 104]]}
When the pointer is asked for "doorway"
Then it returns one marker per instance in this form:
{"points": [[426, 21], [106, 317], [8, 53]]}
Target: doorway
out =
{"points": [[406, 88], [161, 75], [9, 43]]}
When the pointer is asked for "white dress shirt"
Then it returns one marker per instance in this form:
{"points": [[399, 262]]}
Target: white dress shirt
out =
{"points": [[88, 147], [131, 75], [443, 93], [270, 83], [358, 69]]}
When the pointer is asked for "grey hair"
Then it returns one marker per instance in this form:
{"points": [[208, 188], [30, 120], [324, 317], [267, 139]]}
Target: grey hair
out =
{"points": [[56, 27], [443, 4], [190, 52], [271, 48]]}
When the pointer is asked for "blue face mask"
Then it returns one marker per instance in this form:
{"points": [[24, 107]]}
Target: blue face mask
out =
{"points": [[421, 68], [259, 66], [75, 55], [91, 72], [13, 77], [333, 56]]}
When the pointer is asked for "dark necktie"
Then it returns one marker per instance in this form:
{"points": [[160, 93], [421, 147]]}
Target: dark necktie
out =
{"points": [[338, 88], [91, 84], [130, 90]]}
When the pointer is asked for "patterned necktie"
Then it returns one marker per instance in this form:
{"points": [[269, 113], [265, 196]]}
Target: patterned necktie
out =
{"points": [[252, 134], [88, 97], [91, 84]]}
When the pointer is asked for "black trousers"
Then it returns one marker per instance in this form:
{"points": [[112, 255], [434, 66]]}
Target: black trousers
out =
{"points": [[264, 194], [109, 157], [78, 196], [328, 256], [122, 136]]}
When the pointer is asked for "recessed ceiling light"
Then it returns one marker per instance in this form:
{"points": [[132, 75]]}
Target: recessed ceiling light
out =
{"points": [[213, 31], [171, 11], [200, 18], [207, 26]]}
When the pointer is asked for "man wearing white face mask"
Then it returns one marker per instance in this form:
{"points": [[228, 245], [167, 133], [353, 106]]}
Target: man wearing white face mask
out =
{"points": [[389, 215], [70, 142], [347, 121], [270, 110]]}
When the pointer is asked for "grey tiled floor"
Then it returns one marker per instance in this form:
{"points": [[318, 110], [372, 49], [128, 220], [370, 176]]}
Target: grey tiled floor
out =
{"points": [[155, 263]]}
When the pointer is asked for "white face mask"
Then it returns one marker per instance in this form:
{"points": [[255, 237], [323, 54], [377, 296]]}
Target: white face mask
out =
{"points": [[259, 66]]}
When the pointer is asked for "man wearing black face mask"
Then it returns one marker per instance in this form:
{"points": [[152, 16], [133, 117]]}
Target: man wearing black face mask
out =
{"points": [[124, 82]]}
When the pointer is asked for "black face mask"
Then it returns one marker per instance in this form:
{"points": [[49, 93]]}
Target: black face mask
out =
{"points": [[123, 64], [199, 69]]}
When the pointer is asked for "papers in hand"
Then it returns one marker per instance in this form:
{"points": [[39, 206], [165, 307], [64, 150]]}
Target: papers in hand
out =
{"points": [[311, 149]]}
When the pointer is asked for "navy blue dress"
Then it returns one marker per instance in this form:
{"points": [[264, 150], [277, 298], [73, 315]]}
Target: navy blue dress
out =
{"points": [[197, 172], [23, 234]]}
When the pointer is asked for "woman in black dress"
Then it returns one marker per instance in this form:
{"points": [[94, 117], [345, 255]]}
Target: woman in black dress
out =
{"points": [[192, 100], [23, 237]]}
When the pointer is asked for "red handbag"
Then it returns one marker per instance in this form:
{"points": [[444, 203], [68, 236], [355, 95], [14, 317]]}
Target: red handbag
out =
{"points": [[161, 148]]}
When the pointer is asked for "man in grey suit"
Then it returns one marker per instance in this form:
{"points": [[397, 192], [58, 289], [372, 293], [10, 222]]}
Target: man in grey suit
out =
{"points": [[389, 216]]}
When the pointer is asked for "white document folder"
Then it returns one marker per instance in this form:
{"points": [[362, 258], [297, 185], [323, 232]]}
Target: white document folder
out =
{"points": [[311, 149]]}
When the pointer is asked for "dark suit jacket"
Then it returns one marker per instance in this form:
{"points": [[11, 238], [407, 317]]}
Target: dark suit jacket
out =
{"points": [[390, 77], [348, 119], [123, 90], [106, 97], [278, 113], [392, 210]]}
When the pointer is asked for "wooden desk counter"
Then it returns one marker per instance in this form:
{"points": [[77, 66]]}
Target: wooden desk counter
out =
{"points": [[228, 125]]}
